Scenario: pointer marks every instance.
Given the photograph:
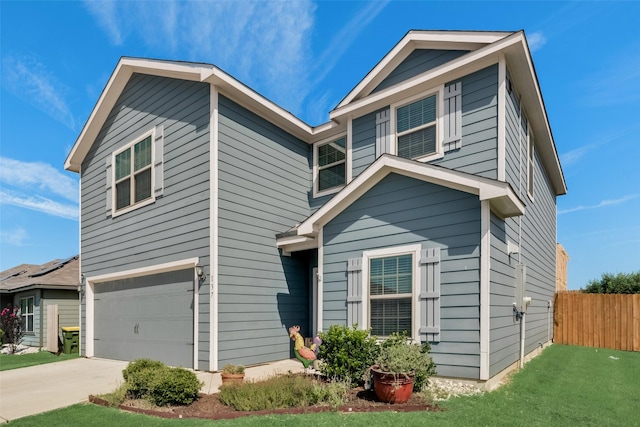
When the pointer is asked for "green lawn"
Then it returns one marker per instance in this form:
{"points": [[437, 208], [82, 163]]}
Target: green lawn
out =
{"points": [[565, 386], [15, 361]]}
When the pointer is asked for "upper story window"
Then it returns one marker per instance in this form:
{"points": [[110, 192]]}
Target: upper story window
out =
{"points": [[416, 128], [26, 311], [133, 174], [330, 166]]}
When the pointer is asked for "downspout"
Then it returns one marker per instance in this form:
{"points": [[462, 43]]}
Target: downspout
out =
{"points": [[522, 313]]}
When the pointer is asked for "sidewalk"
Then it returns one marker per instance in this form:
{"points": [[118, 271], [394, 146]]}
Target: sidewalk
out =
{"points": [[41, 388]]}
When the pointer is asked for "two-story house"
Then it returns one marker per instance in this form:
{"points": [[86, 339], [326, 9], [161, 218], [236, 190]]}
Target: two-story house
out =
{"points": [[212, 219]]}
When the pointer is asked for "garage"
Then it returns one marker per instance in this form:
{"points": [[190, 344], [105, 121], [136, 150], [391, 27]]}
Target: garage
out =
{"points": [[149, 316]]}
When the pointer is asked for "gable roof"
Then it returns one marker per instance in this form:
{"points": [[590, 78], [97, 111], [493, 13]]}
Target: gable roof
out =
{"points": [[504, 200], [56, 274]]}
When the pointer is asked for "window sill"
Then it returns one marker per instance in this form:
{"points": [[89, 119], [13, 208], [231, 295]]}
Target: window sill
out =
{"points": [[334, 190]]}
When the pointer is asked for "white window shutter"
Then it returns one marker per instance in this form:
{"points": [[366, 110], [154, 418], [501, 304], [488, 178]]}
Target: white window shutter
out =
{"points": [[453, 117], [430, 295], [383, 137], [354, 291], [158, 165], [109, 187]]}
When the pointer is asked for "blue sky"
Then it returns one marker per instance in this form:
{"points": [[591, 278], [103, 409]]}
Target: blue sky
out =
{"points": [[56, 58]]}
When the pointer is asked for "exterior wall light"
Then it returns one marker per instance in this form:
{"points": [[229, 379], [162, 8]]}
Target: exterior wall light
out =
{"points": [[201, 273]]}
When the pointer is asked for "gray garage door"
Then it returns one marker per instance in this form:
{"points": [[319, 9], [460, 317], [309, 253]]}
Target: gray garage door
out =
{"points": [[149, 317]]}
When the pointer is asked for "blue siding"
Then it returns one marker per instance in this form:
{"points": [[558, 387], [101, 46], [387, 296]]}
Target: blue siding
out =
{"points": [[418, 61], [400, 211], [479, 152], [176, 226], [264, 184], [363, 143]]}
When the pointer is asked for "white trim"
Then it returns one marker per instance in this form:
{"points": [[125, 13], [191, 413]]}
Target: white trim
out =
{"points": [[316, 167], [413, 249], [503, 199], [320, 278], [531, 162], [80, 344], [502, 117], [459, 40], [439, 122], [349, 149], [196, 328], [485, 287], [213, 231], [129, 146], [127, 274], [314, 301]]}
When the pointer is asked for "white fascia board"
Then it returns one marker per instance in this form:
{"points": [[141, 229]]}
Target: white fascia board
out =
{"points": [[455, 40], [486, 189], [145, 271], [459, 67], [293, 240], [118, 80]]}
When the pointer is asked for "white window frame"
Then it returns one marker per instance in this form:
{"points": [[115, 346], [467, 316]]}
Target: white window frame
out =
{"points": [[415, 307], [24, 316], [531, 165], [439, 123], [316, 167], [116, 212]]}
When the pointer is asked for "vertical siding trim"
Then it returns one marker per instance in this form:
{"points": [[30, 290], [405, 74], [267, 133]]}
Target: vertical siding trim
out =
{"points": [[349, 163], [452, 117], [354, 288], [383, 135], [80, 343], [158, 166], [108, 186], [196, 316], [320, 278], [429, 297], [485, 287], [502, 117], [213, 231]]}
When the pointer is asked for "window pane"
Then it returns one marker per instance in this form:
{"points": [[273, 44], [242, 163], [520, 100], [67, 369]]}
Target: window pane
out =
{"points": [[123, 194], [123, 164], [391, 275], [332, 176], [331, 152], [416, 114], [417, 144], [23, 306], [142, 154], [29, 305], [390, 315], [30, 324], [143, 185]]}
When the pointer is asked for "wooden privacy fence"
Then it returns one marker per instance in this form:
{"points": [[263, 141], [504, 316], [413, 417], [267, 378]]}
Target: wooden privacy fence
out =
{"points": [[597, 320]]}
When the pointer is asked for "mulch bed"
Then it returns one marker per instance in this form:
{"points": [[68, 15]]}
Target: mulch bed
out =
{"points": [[208, 406]]}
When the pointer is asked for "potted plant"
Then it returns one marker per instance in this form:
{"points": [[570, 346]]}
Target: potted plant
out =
{"points": [[232, 374], [397, 366]]}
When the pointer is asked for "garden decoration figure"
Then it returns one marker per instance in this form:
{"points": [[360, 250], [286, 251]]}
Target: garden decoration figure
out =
{"points": [[303, 354]]}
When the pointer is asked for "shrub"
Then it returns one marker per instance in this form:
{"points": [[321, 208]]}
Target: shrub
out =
{"points": [[400, 356], [11, 325], [174, 386], [233, 369], [140, 382], [346, 353], [1, 337], [621, 283], [139, 365], [284, 391]]}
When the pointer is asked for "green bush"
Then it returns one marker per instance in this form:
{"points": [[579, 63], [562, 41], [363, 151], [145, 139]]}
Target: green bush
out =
{"points": [[1, 337], [621, 283], [399, 355], [347, 353], [174, 386], [284, 391], [140, 382], [139, 365]]}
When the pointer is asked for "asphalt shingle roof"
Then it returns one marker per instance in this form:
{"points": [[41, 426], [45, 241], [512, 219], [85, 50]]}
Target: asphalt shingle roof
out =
{"points": [[56, 274]]}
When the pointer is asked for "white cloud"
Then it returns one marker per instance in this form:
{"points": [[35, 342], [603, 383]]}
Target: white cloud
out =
{"points": [[574, 156], [106, 14], [40, 204], [37, 177], [15, 237], [602, 204], [31, 81], [536, 40]]}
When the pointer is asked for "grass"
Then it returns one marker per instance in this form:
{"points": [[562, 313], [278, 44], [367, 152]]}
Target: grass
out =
{"points": [[564, 386], [15, 361]]}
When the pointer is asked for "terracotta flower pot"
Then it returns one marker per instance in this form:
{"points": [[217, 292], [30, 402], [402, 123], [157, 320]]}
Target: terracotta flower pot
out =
{"points": [[232, 378], [392, 388]]}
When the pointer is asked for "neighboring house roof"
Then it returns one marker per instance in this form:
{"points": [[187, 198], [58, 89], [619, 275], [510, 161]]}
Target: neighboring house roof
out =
{"points": [[502, 197], [56, 274], [485, 48]]}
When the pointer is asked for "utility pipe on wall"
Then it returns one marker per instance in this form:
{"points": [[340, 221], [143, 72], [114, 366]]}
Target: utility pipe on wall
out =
{"points": [[522, 329]]}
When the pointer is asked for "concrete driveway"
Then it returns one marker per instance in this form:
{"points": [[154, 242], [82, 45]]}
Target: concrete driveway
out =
{"points": [[41, 388]]}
